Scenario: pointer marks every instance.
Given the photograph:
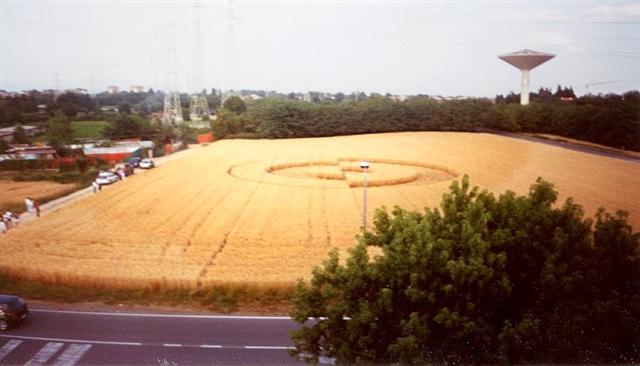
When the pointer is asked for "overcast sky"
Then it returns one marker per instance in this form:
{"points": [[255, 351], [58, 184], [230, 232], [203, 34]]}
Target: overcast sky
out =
{"points": [[400, 47]]}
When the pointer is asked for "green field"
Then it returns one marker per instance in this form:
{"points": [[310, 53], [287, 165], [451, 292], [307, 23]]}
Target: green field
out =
{"points": [[88, 129]]}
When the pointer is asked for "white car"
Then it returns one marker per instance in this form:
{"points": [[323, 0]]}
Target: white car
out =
{"points": [[106, 178], [147, 164]]}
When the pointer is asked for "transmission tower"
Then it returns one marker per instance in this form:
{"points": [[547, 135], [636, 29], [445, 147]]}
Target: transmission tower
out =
{"points": [[232, 52], [198, 106], [172, 110]]}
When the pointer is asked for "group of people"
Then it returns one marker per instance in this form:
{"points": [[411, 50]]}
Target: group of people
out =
{"points": [[32, 205], [11, 219]]}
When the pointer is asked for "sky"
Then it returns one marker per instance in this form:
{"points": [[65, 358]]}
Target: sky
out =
{"points": [[447, 48]]}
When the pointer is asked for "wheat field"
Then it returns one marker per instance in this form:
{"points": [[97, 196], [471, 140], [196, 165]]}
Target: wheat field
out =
{"points": [[266, 212], [12, 194]]}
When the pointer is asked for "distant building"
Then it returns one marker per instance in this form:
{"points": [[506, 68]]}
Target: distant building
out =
{"points": [[399, 98], [136, 89], [6, 133], [112, 89], [109, 108], [120, 151], [30, 153], [77, 91]]}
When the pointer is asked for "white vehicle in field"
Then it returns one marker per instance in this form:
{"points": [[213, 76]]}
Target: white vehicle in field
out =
{"points": [[147, 164], [106, 178]]}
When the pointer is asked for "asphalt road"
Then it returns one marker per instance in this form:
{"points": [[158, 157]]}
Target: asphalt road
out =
{"points": [[53, 337], [571, 146]]}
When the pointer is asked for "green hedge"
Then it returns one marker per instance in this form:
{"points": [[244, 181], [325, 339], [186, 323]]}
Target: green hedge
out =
{"points": [[21, 165]]}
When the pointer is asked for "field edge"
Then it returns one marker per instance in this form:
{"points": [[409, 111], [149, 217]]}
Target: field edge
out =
{"points": [[224, 298]]}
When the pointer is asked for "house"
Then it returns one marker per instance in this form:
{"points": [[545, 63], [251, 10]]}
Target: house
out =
{"points": [[121, 150], [31, 152], [136, 89], [78, 91], [112, 89], [109, 108], [6, 133]]}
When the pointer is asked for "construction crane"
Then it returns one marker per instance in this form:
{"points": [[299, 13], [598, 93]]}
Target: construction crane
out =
{"points": [[588, 85]]}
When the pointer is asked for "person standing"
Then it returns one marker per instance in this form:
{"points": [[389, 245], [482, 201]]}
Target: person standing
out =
{"points": [[96, 186], [36, 205], [3, 226], [28, 202], [7, 219]]}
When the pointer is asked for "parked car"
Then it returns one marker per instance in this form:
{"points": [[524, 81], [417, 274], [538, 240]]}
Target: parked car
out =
{"points": [[135, 161], [13, 311], [106, 178], [129, 169], [147, 164]]}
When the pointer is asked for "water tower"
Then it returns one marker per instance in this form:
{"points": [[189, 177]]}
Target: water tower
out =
{"points": [[526, 60]]}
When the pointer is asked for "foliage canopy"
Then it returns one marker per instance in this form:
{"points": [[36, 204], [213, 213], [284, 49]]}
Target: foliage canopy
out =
{"points": [[59, 130], [20, 135], [482, 279]]}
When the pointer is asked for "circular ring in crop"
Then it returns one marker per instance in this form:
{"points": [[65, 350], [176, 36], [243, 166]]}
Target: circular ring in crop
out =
{"points": [[342, 173]]}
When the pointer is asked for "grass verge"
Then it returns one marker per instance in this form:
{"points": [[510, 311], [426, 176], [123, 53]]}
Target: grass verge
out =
{"points": [[88, 129], [223, 298]]}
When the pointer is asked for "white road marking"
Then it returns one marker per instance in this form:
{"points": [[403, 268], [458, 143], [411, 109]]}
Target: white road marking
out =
{"points": [[72, 340], [72, 354], [8, 347], [44, 354], [172, 345], [162, 315], [268, 347], [210, 346]]}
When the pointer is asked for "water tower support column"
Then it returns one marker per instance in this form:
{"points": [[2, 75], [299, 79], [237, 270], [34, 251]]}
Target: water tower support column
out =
{"points": [[524, 95]]}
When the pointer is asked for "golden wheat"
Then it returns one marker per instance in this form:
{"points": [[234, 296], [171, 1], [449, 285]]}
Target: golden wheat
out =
{"points": [[267, 211]]}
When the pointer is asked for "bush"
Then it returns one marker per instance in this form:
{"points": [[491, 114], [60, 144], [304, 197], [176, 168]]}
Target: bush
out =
{"points": [[482, 279], [22, 165]]}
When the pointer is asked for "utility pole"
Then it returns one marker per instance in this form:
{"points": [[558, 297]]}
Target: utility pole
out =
{"points": [[364, 166]]}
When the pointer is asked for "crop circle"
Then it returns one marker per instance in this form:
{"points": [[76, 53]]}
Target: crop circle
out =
{"points": [[342, 173]]}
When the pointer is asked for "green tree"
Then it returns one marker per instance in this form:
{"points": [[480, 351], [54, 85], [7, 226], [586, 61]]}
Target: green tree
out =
{"points": [[127, 125], [124, 108], [235, 104], [223, 124], [20, 135], [59, 131], [186, 114], [69, 109], [482, 279]]}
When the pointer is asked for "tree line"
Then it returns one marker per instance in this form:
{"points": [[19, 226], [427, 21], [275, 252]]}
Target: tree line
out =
{"points": [[24, 108], [612, 120]]}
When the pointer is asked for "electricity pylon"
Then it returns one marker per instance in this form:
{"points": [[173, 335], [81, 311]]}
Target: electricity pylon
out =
{"points": [[172, 110], [172, 113], [198, 106]]}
